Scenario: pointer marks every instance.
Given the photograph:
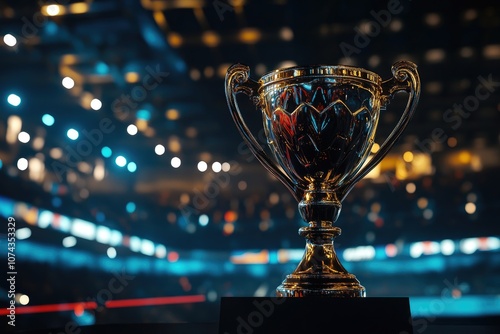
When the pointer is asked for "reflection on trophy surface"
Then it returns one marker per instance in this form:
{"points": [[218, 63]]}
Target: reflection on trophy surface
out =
{"points": [[320, 123]]}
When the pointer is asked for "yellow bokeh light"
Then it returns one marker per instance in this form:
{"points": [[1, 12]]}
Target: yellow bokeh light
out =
{"points": [[132, 77], [172, 114], [375, 148], [149, 132], [410, 188], [184, 199], [464, 157], [85, 100], [470, 208], [160, 19], [208, 71], [375, 207], [222, 70], [249, 35], [408, 156], [174, 39], [228, 228], [422, 202], [286, 34], [141, 124], [79, 8], [210, 39], [56, 153], [452, 142], [191, 132], [174, 144], [194, 74]]}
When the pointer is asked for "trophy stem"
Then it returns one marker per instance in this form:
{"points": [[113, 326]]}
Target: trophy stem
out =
{"points": [[320, 272]]}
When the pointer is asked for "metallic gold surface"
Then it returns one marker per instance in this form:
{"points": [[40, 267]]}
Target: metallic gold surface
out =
{"points": [[320, 123]]}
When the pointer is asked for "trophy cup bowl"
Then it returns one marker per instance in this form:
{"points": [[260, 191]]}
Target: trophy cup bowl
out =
{"points": [[320, 123]]}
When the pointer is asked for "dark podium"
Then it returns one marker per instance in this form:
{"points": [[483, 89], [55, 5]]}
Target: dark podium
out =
{"points": [[250, 315]]}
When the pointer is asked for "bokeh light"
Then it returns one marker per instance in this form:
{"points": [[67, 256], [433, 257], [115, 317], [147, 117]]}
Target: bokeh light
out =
{"points": [[111, 252], [68, 83], [14, 100], [132, 167], [72, 134], [23, 137], [202, 166], [48, 120], [22, 164], [9, 40], [106, 152], [132, 130], [96, 104], [159, 149], [120, 161], [175, 162]]}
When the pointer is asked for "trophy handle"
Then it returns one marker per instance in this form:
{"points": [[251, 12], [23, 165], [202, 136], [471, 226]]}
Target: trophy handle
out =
{"points": [[238, 81], [405, 78]]}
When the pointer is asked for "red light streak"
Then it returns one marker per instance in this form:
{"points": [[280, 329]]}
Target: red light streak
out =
{"points": [[155, 301], [109, 304], [50, 308]]}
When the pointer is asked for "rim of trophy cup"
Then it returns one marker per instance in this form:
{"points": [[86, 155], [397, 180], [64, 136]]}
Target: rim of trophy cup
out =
{"points": [[320, 71]]}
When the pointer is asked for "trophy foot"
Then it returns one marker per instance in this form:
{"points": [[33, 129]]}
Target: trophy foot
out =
{"points": [[320, 272], [330, 285]]}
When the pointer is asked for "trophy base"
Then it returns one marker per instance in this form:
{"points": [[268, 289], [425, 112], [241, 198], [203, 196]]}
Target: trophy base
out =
{"points": [[329, 285]]}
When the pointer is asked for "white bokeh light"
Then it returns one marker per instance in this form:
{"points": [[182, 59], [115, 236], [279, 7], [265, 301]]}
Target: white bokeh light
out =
{"points": [[175, 162], [53, 10], [132, 130], [226, 166], [14, 100], [23, 137], [24, 300], [22, 164], [68, 83], [111, 252], [96, 104], [120, 161], [203, 220], [72, 134], [69, 241], [202, 166], [9, 40], [159, 149], [216, 167]]}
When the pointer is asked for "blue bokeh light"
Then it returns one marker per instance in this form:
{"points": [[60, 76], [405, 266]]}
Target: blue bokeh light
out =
{"points": [[102, 68], [48, 120], [143, 114], [132, 167], [100, 217], [106, 152], [56, 202], [130, 207]]}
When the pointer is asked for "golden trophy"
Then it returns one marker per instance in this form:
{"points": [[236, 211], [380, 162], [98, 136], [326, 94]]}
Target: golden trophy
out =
{"points": [[320, 123]]}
